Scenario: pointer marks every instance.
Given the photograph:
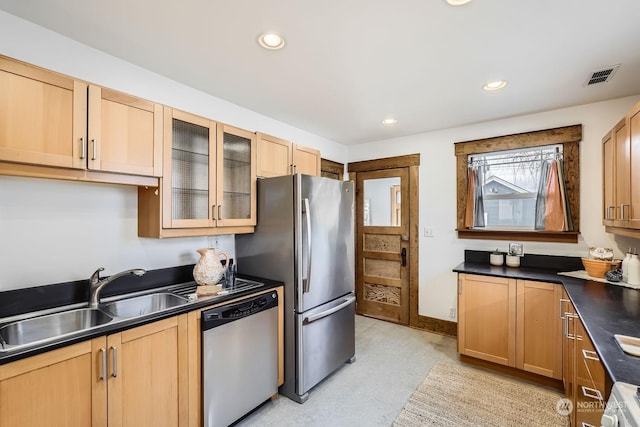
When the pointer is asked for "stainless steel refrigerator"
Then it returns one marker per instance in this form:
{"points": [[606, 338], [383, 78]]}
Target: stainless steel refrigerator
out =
{"points": [[304, 238]]}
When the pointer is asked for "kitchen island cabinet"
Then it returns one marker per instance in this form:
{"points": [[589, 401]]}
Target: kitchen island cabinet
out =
{"points": [[511, 322], [135, 377], [209, 180], [55, 126]]}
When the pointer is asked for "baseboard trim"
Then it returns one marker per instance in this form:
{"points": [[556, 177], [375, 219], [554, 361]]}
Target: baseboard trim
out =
{"points": [[437, 326], [507, 370]]}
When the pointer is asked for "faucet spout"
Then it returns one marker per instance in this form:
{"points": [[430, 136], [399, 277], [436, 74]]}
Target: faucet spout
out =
{"points": [[96, 285]]}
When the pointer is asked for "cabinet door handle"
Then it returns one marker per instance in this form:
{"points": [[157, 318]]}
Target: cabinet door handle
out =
{"points": [[94, 146], [622, 206], [609, 215], [219, 212], [213, 212], [590, 355], [83, 148], [103, 370], [591, 392], [561, 301], [114, 350]]}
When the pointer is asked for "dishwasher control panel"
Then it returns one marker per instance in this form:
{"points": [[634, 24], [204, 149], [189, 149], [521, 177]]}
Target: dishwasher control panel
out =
{"points": [[227, 313]]}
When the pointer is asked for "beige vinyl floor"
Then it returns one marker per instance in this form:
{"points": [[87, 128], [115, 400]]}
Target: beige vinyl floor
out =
{"points": [[391, 361]]}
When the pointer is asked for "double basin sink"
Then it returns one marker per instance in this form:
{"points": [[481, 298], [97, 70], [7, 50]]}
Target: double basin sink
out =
{"points": [[51, 326]]}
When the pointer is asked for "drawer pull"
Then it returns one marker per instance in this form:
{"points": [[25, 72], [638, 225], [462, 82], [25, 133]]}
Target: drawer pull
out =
{"points": [[591, 392], [586, 425], [590, 355]]}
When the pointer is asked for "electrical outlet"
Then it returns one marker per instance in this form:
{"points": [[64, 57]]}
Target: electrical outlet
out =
{"points": [[452, 312], [212, 242], [428, 232]]}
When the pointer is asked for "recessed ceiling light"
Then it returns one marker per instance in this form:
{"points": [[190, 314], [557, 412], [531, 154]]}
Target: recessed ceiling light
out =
{"points": [[457, 2], [498, 84], [271, 41], [389, 121]]}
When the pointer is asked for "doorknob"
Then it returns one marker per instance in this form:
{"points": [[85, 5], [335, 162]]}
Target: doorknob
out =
{"points": [[403, 254]]}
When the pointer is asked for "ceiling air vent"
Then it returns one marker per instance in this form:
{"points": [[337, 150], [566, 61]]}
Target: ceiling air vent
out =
{"points": [[602, 76]]}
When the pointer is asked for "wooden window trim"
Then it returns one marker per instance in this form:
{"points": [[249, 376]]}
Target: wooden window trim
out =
{"points": [[568, 136], [332, 167]]}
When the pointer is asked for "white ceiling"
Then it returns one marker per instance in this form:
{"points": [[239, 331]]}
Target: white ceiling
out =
{"points": [[348, 64]]}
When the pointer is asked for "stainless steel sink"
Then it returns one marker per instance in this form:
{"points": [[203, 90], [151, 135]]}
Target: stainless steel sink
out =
{"points": [[144, 304], [27, 331]]}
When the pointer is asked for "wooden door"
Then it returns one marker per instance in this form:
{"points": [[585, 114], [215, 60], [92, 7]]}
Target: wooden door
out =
{"points": [[147, 372], [274, 156], [53, 388], [622, 174], [125, 133], [189, 167], [382, 248], [306, 160], [42, 116], [634, 135], [487, 318], [608, 189], [539, 328], [236, 168]]}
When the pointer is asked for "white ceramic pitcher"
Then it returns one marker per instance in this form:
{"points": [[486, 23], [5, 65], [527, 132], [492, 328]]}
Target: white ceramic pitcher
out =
{"points": [[209, 270]]}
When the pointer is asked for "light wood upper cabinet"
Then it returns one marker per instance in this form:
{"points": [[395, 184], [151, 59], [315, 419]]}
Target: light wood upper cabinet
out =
{"points": [[236, 177], [621, 176], [306, 160], [487, 318], [125, 133], [53, 388], [274, 156], [209, 180], [53, 126], [42, 116], [278, 157], [511, 322]]}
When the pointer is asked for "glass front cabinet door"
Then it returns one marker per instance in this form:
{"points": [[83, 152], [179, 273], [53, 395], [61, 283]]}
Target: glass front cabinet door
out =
{"points": [[236, 165], [210, 173]]}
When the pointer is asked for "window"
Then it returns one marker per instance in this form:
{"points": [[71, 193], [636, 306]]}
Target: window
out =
{"points": [[508, 183]]}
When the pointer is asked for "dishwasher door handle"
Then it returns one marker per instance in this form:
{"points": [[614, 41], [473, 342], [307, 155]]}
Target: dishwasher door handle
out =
{"points": [[347, 301]]}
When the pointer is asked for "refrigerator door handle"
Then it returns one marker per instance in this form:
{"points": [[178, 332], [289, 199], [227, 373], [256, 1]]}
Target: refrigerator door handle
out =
{"points": [[318, 316], [307, 213]]}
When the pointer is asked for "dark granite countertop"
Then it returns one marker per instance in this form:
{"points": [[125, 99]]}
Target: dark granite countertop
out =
{"points": [[604, 309], [20, 301]]}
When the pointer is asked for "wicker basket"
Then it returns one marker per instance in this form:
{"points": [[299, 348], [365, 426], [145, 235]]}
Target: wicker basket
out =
{"points": [[597, 268]]}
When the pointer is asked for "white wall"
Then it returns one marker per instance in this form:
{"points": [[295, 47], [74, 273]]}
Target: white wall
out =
{"points": [[439, 254], [54, 231]]}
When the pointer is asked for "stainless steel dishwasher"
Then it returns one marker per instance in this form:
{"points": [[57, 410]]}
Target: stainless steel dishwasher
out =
{"points": [[239, 358]]}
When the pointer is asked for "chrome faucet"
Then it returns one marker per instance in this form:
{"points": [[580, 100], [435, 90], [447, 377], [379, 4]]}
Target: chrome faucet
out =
{"points": [[96, 285]]}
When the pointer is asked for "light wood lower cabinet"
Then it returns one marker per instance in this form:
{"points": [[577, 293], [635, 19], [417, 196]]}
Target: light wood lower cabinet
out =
{"points": [[137, 377], [54, 388], [511, 322], [584, 375]]}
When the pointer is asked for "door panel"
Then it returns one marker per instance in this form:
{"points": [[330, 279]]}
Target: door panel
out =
{"points": [[330, 221], [382, 285]]}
